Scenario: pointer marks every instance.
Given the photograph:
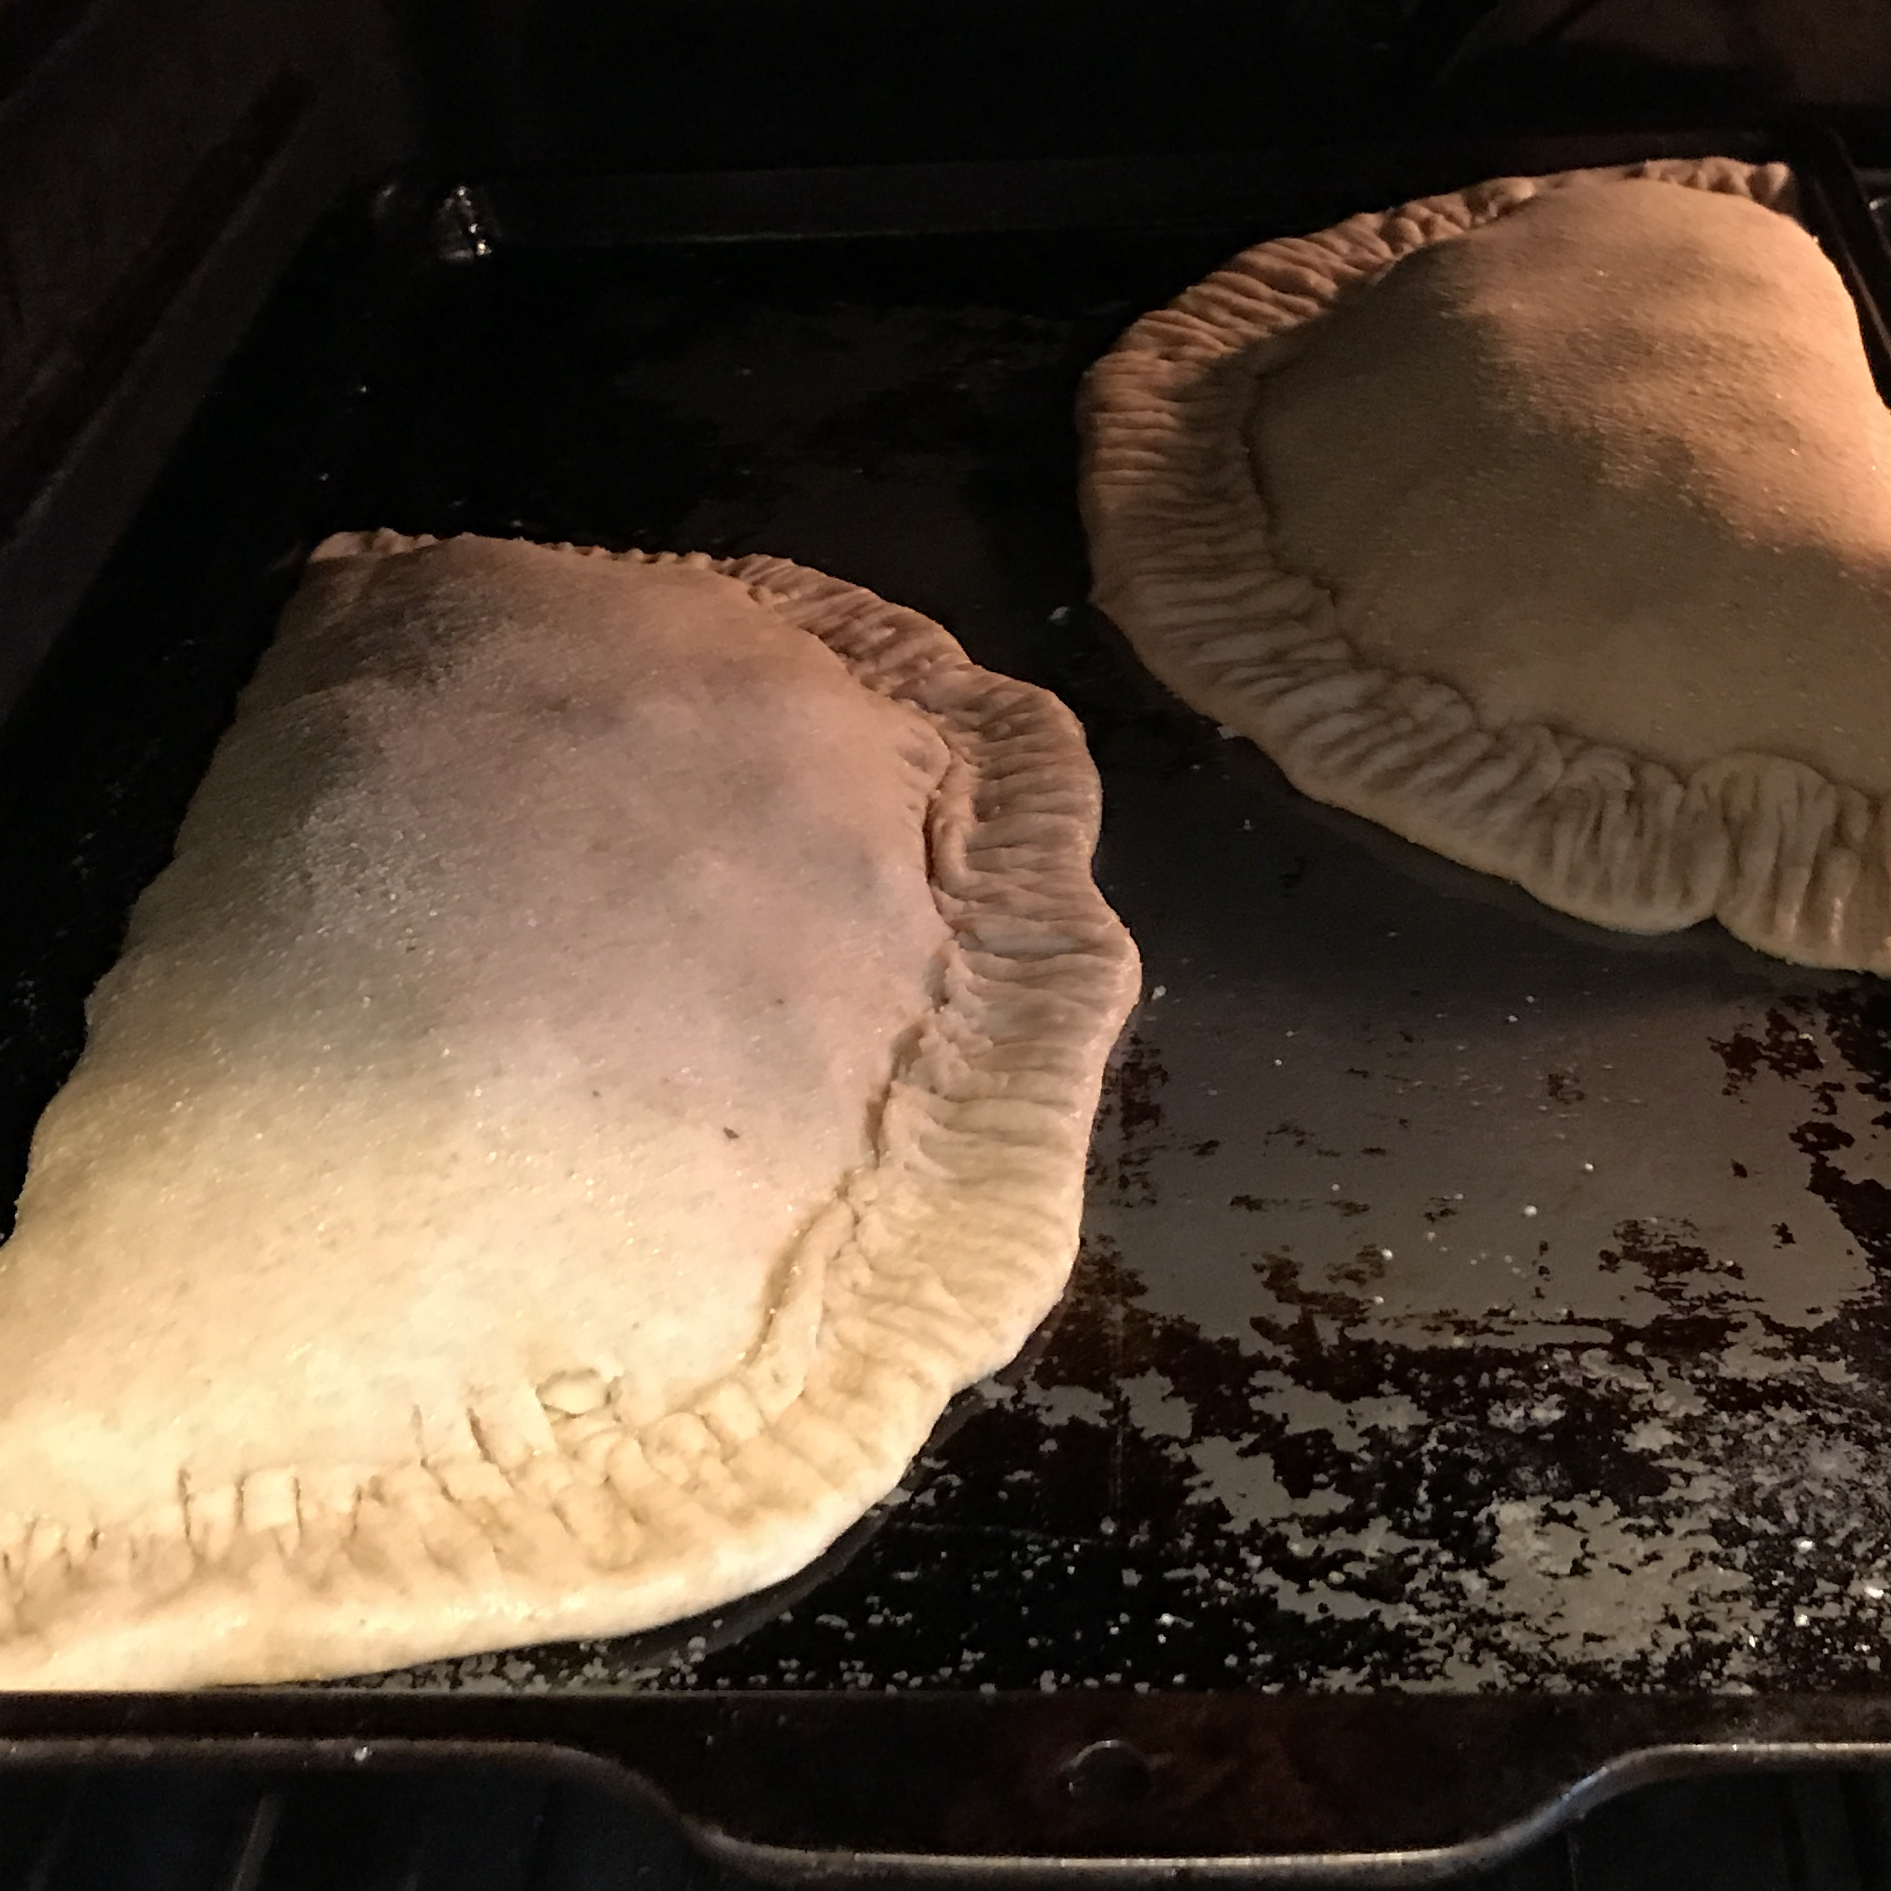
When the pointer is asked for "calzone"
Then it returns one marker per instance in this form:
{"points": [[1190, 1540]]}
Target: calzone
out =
{"points": [[613, 1052], [1547, 523]]}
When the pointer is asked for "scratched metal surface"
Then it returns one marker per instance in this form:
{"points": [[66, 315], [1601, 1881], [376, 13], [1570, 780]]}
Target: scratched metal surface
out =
{"points": [[1467, 1297]]}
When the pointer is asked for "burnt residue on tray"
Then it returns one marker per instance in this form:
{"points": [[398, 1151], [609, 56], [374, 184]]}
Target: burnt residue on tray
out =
{"points": [[1648, 1456], [1467, 1298]]}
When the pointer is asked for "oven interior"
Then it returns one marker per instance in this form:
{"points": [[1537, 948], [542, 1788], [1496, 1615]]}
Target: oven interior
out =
{"points": [[820, 280]]}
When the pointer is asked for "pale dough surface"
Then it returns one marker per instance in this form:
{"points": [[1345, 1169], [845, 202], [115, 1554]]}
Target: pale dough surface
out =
{"points": [[1548, 524], [613, 1053]]}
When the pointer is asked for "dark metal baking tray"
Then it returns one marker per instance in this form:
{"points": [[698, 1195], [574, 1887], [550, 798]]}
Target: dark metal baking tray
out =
{"points": [[1472, 1393]]}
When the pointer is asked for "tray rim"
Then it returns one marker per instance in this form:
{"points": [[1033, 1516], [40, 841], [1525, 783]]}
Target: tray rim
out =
{"points": [[653, 1745], [693, 1759], [478, 217]]}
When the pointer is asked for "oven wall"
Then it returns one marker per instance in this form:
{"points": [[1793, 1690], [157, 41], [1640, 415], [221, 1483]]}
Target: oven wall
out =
{"points": [[162, 159], [689, 83]]}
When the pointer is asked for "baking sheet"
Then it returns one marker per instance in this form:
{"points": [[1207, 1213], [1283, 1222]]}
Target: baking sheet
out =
{"points": [[1468, 1297], [1469, 1300]]}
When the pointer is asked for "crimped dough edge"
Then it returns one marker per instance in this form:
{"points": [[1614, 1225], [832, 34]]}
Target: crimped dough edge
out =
{"points": [[931, 1267], [1787, 860]]}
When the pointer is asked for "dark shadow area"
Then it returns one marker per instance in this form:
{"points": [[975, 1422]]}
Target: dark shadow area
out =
{"points": [[170, 1827]]}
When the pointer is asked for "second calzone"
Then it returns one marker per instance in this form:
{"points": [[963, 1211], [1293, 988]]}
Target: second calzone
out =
{"points": [[1547, 523]]}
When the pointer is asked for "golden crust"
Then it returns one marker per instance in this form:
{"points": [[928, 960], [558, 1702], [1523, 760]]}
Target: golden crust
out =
{"points": [[1788, 859]]}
